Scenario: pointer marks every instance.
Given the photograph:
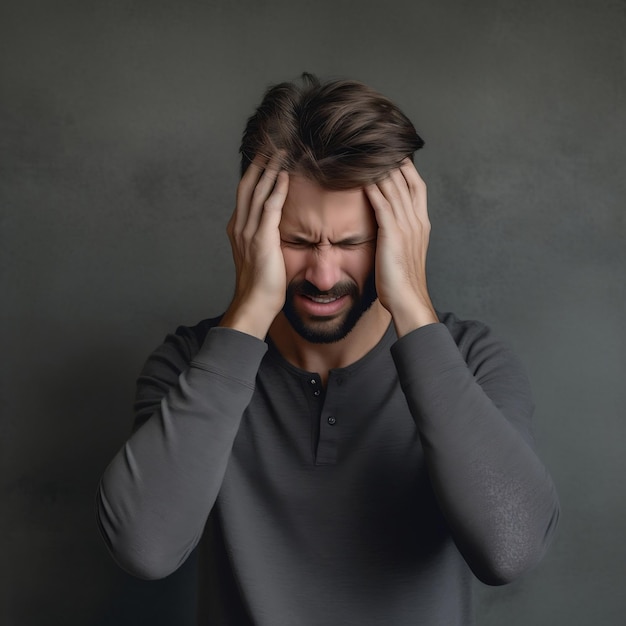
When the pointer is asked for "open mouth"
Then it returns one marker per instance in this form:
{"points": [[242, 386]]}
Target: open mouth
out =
{"points": [[323, 299], [322, 305]]}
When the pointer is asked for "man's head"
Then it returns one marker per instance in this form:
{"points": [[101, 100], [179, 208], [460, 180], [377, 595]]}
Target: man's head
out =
{"points": [[335, 138], [341, 134]]}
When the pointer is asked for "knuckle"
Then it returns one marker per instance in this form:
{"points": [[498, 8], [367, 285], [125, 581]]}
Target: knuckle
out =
{"points": [[247, 234], [384, 205], [257, 194], [416, 189], [272, 204]]}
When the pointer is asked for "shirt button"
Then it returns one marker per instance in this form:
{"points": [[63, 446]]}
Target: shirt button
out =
{"points": [[331, 420], [316, 392], [313, 381]]}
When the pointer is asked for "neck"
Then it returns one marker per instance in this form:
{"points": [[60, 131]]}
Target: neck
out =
{"points": [[322, 357]]}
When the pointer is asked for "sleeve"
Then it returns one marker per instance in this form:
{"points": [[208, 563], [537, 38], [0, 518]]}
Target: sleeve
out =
{"points": [[155, 496], [473, 406]]}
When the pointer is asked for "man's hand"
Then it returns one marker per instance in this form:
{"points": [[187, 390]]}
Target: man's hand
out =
{"points": [[399, 202], [254, 236]]}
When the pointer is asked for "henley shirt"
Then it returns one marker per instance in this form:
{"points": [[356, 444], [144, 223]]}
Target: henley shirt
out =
{"points": [[372, 501]]}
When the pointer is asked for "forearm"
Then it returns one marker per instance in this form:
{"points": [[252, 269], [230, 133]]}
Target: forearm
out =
{"points": [[155, 496], [496, 495]]}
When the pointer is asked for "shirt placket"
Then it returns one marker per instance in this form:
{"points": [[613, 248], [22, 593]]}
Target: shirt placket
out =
{"points": [[330, 419]]}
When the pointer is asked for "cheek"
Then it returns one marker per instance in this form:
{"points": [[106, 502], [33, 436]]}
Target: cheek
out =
{"points": [[359, 264], [295, 262]]}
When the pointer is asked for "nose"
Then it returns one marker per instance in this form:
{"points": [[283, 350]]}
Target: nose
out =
{"points": [[323, 268]]}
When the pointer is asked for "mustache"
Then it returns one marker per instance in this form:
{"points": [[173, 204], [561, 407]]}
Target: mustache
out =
{"points": [[305, 288]]}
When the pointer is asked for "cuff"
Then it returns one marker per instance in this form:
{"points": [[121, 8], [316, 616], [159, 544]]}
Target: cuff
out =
{"points": [[232, 354]]}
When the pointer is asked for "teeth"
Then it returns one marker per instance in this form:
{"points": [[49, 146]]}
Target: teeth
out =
{"points": [[322, 299]]}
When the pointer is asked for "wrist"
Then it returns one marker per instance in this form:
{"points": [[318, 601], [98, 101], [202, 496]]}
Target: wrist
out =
{"points": [[247, 319], [409, 318]]}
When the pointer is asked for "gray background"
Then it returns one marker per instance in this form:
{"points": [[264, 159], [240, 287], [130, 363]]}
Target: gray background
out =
{"points": [[119, 128]]}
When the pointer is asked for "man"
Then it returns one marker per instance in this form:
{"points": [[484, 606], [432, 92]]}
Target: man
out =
{"points": [[340, 452]]}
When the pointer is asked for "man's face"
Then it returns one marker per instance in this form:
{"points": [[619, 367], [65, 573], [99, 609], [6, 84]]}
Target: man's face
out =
{"points": [[329, 245]]}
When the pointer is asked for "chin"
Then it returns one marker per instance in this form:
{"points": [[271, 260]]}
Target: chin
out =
{"points": [[321, 336], [329, 331]]}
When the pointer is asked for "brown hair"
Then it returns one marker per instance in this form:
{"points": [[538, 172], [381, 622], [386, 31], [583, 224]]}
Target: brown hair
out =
{"points": [[341, 134]]}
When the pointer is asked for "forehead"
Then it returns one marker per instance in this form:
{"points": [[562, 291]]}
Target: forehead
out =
{"points": [[311, 209]]}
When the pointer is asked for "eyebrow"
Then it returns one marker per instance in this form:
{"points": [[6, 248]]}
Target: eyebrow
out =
{"points": [[346, 241]]}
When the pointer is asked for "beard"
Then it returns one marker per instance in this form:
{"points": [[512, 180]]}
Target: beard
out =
{"points": [[329, 329]]}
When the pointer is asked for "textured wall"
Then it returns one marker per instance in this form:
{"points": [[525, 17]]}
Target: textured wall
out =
{"points": [[119, 127]]}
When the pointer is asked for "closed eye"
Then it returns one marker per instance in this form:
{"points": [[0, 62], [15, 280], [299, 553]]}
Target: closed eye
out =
{"points": [[354, 244], [347, 244], [301, 245]]}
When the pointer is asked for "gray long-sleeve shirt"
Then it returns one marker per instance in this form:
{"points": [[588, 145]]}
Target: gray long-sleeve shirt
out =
{"points": [[368, 502]]}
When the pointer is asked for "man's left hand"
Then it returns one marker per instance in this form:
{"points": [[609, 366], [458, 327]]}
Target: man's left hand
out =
{"points": [[399, 203]]}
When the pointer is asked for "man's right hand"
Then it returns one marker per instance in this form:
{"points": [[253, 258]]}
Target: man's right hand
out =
{"points": [[255, 239]]}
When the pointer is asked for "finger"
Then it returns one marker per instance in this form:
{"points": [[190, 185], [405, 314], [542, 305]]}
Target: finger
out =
{"points": [[417, 189], [262, 192], [405, 209], [411, 174], [396, 192], [273, 206], [268, 177], [382, 207], [245, 189]]}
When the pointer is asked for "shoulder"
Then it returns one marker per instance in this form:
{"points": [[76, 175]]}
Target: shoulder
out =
{"points": [[185, 342], [165, 364], [464, 332], [495, 367], [479, 345], [195, 335]]}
